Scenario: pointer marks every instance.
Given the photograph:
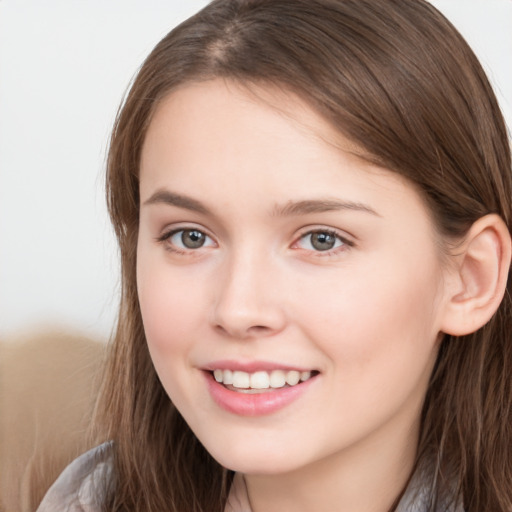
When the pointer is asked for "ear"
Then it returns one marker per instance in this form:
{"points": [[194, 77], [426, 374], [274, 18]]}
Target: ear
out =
{"points": [[480, 276]]}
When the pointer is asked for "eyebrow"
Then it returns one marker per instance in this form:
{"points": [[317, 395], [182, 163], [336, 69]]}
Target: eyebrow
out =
{"points": [[291, 208], [181, 201], [320, 206]]}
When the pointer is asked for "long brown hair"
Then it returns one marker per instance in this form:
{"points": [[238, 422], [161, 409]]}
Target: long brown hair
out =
{"points": [[395, 77]]}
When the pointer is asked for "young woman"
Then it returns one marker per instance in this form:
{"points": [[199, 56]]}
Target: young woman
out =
{"points": [[313, 204]]}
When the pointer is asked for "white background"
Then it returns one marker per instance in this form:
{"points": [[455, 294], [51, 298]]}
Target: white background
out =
{"points": [[64, 66]]}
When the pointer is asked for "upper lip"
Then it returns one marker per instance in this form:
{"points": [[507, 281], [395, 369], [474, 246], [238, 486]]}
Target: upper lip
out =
{"points": [[251, 366]]}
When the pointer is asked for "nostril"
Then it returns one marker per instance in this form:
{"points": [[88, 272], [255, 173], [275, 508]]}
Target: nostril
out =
{"points": [[259, 328], [259, 331]]}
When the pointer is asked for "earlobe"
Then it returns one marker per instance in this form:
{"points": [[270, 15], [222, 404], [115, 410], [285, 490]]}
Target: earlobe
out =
{"points": [[480, 277]]}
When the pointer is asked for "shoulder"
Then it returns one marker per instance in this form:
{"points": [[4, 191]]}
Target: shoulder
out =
{"points": [[82, 486]]}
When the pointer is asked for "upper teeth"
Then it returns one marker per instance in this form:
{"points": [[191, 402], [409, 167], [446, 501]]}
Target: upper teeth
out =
{"points": [[261, 379]]}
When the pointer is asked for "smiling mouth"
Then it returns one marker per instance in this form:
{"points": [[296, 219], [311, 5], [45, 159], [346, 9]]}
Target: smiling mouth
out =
{"points": [[261, 381]]}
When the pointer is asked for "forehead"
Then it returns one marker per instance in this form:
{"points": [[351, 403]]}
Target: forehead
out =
{"points": [[220, 141], [224, 115], [269, 102]]}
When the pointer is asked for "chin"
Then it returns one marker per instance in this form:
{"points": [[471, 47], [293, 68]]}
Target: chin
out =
{"points": [[256, 459], [259, 467]]}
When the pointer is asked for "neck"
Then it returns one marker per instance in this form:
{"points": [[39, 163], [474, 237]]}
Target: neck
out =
{"points": [[365, 478]]}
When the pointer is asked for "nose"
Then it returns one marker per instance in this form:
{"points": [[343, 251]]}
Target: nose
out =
{"points": [[247, 302]]}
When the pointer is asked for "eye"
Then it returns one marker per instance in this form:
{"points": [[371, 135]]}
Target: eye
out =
{"points": [[188, 239], [321, 241]]}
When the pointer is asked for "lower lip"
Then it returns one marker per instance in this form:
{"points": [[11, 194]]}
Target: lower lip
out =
{"points": [[255, 404]]}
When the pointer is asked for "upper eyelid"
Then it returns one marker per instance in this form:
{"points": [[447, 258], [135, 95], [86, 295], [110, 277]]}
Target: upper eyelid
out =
{"points": [[171, 230], [343, 235], [347, 244], [165, 239]]}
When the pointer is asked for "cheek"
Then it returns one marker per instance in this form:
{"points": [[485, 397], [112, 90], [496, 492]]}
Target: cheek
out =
{"points": [[380, 341], [380, 320], [170, 308], [170, 305]]}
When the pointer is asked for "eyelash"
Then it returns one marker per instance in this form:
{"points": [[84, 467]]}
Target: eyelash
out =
{"points": [[166, 237], [334, 251], [345, 243]]}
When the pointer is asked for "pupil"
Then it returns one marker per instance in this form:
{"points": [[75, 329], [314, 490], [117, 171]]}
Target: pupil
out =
{"points": [[192, 239], [322, 241]]}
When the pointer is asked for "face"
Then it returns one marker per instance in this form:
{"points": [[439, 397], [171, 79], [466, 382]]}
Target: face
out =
{"points": [[292, 293]]}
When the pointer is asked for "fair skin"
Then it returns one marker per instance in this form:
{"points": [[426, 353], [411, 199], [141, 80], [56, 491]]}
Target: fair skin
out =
{"points": [[266, 244]]}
